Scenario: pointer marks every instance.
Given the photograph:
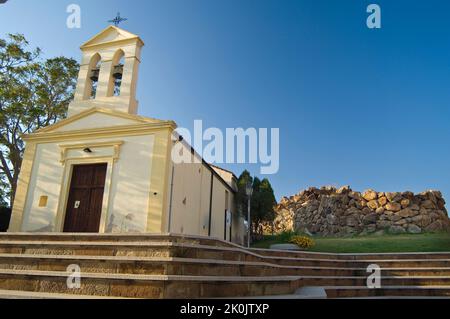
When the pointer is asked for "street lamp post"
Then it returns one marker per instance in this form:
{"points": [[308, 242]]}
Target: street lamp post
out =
{"points": [[249, 192]]}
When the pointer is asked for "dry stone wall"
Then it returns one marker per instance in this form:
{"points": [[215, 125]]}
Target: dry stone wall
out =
{"points": [[329, 211]]}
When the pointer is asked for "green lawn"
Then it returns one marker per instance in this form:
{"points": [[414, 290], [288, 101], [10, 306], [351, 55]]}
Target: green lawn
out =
{"points": [[372, 244]]}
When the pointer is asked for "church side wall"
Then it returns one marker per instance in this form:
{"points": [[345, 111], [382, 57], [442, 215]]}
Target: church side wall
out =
{"points": [[186, 201], [218, 210], [189, 204]]}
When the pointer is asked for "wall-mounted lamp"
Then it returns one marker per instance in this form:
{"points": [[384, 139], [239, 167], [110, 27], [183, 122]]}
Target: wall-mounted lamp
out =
{"points": [[87, 150]]}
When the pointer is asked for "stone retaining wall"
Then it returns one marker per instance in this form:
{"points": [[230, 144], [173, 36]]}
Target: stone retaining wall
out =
{"points": [[341, 212]]}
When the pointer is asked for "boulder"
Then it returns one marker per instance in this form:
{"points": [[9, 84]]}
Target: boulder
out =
{"points": [[435, 226], [391, 196], [382, 201], [352, 221], [352, 211], [394, 218], [370, 219], [408, 213], [405, 203], [396, 230], [332, 219], [373, 204], [343, 190], [394, 207], [370, 195], [361, 204], [414, 229], [428, 204], [355, 195], [401, 222], [383, 224]]}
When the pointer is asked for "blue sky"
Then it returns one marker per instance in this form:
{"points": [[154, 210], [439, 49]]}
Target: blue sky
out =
{"points": [[367, 108]]}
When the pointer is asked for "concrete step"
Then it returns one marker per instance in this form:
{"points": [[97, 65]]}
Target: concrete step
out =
{"points": [[394, 263], [176, 266], [385, 281], [147, 286], [388, 291], [88, 237], [81, 248], [206, 241], [186, 287], [351, 256], [189, 266], [196, 251], [17, 294]]}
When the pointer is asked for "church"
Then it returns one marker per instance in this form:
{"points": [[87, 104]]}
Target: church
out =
{"points": [[105, 169]]}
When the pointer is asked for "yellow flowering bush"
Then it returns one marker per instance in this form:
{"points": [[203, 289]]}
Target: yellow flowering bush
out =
{"points": [[302, 242]]}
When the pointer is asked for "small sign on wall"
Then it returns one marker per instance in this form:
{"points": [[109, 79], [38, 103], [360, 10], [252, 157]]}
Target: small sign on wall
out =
{"points": [[229, 218], [43, 200]]}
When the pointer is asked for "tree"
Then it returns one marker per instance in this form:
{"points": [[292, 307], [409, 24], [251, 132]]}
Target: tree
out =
{"points": [[2, 194], [241, 196], [34, 93], [262, 202]]}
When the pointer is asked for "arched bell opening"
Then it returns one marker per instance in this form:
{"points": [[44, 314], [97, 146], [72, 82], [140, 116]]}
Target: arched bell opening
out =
{"points": [[118, 64], [93, 76]]}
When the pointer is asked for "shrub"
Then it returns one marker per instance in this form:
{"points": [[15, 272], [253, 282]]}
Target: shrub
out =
{"points": [[302, 242], [285, 237]]}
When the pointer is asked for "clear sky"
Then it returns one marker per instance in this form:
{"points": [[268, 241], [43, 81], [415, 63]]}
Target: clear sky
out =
{"points": [[359, 107]]}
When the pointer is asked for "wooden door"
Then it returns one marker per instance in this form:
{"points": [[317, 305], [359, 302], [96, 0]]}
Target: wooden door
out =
{"points": [[84, 206]]}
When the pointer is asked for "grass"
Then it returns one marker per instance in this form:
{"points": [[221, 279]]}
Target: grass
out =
{"points": [[372, 244]]}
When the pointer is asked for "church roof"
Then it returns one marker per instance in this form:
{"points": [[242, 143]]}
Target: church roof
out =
{"points": [[109, 35], [228, 176], [136, 119]]}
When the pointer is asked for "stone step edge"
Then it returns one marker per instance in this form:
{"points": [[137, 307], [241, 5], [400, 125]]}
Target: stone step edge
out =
{"points": [[433, 287], [164, 237], [287, 252], [137, 277], [20, 294], [227, 243], [121, 236], [133, 259], [43, 245]]}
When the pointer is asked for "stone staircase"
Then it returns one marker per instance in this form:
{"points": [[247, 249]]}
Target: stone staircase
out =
{"points": [[175, 266]]}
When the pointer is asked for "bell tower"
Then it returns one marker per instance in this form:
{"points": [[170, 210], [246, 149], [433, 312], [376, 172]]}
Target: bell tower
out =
{"points": [[108, 72]]}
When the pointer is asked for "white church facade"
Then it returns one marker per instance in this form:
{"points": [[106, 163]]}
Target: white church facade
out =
{"points": [[105, 169]]}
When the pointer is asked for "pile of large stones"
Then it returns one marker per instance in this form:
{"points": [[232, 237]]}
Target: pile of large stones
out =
{"points": [[329, 211]]}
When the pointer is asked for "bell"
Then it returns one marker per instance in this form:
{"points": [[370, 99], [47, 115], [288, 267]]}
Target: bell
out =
{"points": [[94, 75], [118, 71]]}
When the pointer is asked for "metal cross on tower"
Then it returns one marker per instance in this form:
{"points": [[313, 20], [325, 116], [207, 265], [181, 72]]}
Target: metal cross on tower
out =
{"points": [[117, 20]]}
